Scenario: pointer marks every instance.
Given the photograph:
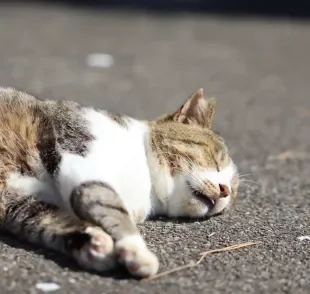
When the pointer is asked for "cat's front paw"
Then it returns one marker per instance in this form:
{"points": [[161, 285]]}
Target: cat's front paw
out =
{"points": [[94, 249], [138, 259]]}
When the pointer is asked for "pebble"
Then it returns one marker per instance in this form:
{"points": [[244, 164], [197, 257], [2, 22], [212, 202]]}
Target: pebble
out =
{"points": [[47, 287], [100, 60], [303, 238]]}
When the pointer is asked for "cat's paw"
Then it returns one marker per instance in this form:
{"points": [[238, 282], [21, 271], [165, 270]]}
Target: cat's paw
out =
{"points": [[133, 253], [96, 251]]}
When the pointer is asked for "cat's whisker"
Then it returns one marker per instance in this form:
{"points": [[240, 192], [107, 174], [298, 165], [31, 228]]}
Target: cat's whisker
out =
{"points": [[190, 161], [195, 180], [198, 179], [244, 175], [250, 181], [245, 185]]}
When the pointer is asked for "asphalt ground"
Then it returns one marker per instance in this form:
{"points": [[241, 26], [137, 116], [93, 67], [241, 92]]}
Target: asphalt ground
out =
{"points": [[259, 69]]}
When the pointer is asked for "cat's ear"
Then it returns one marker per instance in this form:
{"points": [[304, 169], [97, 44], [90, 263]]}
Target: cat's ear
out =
{"points": [[196, 110]]}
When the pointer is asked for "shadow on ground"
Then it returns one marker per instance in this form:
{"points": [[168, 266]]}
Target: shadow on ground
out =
{"points": [[60, 259]]}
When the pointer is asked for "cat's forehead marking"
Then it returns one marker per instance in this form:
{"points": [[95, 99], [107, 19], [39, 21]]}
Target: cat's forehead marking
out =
{"points": [[181, 147]]}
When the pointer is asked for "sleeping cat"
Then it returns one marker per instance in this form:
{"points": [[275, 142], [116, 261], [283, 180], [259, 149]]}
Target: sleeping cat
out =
{"points": [[77, 180]]}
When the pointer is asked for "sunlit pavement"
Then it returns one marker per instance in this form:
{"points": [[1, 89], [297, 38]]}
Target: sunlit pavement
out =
{"points": [[145, 65]]}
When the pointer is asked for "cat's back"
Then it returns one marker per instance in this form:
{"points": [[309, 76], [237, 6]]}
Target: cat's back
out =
{"points": [[8, 94]]}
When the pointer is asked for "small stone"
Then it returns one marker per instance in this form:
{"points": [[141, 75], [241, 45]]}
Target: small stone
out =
{"points": [[303, 238], [47, 287], [100, 60]]}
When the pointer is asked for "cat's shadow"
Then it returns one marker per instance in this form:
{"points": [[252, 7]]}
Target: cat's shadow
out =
{"points": [[63, 261], [119, 273]]}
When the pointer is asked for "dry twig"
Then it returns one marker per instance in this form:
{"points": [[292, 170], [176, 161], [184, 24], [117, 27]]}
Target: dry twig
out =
{"points": [[203, 255], [289, 155]]}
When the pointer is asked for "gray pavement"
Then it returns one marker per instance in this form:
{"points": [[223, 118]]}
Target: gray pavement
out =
{"points": [[259, 70]]}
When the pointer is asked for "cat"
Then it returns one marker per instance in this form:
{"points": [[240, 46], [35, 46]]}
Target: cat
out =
{"points": [[77, 180]]}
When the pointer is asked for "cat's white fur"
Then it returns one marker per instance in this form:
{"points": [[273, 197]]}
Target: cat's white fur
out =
{"points": [[121, 157], [116, 157]]}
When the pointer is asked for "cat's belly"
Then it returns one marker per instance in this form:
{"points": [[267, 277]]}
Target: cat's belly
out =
{"points": [[133, 186], [116, 157]]}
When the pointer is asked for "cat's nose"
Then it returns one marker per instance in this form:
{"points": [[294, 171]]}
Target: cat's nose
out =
{"points": [[224, 190]]}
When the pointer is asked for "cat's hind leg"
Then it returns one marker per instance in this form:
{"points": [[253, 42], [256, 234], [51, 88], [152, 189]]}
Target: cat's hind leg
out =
{"points": [[46, 225], [98, 202]]}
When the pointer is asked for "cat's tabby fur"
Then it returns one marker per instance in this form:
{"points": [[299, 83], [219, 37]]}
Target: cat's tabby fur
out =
{"points": [[77, 179]]}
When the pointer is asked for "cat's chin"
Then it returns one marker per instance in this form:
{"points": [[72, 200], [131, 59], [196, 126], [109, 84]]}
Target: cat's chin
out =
{"points": [[220, 206]]}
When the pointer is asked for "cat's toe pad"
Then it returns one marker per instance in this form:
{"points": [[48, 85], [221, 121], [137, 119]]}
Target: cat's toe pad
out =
{"points": [[133, 253], [97, 252]]}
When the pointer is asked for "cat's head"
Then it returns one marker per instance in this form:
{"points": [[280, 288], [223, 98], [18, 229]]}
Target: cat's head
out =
{"points": [[198, 178]]}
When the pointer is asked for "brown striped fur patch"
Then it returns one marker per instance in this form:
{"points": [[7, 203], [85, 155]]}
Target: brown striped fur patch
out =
{"points": [[18, 139]]}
